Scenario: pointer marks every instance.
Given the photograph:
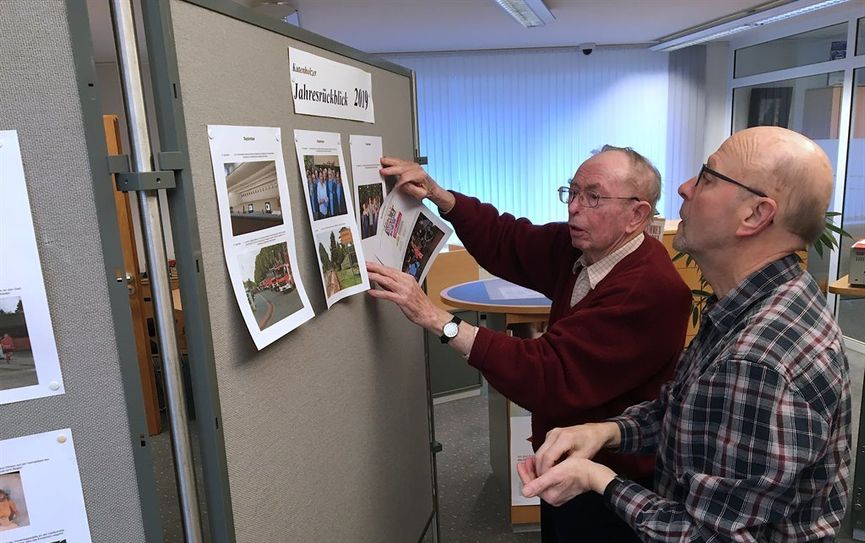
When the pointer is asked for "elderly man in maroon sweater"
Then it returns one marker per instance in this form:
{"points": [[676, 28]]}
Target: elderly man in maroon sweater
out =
{"points": [[617, 322]]}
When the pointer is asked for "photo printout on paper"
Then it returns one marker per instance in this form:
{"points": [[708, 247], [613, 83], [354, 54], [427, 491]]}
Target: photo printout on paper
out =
{"points": [[410, 235], [331, 216], [369, 188], [520, 448], [257, 231], [326, 88], [29, 365], [44, 502]]}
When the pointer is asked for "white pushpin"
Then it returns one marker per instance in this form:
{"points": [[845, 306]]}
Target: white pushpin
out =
{"points": [[54, 385]]}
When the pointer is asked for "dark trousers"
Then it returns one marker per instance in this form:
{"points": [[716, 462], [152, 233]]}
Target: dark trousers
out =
{"points": [[584, 519]]}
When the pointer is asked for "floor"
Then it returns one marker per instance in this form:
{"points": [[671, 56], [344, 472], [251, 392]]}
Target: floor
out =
{"points": [[472, 505]]}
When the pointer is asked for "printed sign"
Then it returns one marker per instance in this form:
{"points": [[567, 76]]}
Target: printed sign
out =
{"points": [[326, 88]]}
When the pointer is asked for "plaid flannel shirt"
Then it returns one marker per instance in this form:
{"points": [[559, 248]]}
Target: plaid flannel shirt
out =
{"points": [[752, 435]]}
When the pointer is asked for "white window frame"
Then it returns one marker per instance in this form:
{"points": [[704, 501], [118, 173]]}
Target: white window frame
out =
{"points": [[845, 13]]}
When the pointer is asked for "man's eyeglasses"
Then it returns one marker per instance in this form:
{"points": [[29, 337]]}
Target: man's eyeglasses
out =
{"points": [[706, 169], [588, 198]]}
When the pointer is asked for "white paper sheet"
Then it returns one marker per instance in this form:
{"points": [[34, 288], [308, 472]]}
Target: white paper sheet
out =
{"points": [[499, 289], [410, 235], [40, 474], [520, 449], [328, 201], [369, 188], [257, 231], [29, 366], [326, 88]]}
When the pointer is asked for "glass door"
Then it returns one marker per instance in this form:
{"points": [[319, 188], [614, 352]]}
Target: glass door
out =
{"points": [[852, 310]]}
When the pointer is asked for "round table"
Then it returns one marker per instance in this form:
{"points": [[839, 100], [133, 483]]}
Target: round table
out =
{"points": [[524, 307]]}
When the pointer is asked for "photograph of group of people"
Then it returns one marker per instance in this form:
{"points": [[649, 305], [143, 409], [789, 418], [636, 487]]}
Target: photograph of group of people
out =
{"points": [[369, 203], [269, 284], [253, 196], [13, 507], [325, 185], [339, 264], [425, 236], [17, 366]]}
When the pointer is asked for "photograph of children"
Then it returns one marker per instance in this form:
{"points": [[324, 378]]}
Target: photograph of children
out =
{"points": [[339, 266], [17, 367], [425, 236], [253, 196], [13, 507], [269, 284], [368, 205], [325, 185]]}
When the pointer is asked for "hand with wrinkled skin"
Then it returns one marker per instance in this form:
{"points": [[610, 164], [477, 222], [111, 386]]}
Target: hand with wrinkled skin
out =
{"points": [[561, 483], [413, 180], [403, 290], [581, 441]]}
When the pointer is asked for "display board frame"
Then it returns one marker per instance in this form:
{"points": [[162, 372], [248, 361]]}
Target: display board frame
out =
{"points": [[48, 45], [171, 120]]}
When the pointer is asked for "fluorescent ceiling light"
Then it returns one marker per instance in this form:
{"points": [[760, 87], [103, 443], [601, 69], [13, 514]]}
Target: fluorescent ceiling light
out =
{"points": [[528, 13], [800, 11], [729, 27], [715, 36]]}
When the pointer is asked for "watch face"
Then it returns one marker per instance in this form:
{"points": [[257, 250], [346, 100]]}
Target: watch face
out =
{"points": [[451, 329]]}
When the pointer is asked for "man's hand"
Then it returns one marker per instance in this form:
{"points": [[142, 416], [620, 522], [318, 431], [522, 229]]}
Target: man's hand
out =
{"points": [[403, 290], [413, 180], [572, 477], [582, 441]]}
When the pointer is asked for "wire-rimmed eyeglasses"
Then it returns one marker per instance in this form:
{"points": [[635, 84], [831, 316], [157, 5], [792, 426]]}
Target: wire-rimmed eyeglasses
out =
{"points": [[706, 169], [587, 198]]}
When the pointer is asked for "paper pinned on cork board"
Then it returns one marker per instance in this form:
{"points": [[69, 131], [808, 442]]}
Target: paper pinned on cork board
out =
{"points": [[29, 363], [257, 232], [410, 235], [335, 233]]}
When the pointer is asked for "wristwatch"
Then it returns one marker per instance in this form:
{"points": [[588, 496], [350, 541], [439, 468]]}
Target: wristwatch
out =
{"points": [[451, 329]]}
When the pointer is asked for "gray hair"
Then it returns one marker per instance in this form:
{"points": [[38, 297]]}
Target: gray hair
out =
{"points": [[645, 178]]}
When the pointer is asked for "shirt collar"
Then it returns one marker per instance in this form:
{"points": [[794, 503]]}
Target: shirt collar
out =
{"points": [[600, 269], [725, 312]]}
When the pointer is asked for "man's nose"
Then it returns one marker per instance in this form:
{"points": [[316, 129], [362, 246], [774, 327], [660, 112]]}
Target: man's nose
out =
{"points": [[686, 189], [574, 205]]}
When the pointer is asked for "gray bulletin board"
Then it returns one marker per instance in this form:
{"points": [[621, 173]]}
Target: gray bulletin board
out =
{"points": [[326, 432], [48, 94]]}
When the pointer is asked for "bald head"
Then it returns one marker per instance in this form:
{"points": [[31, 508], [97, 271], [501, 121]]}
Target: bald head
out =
{"points": [[792, 170]]}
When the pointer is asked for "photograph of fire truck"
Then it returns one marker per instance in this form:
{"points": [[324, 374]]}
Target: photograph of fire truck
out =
{"points": [[269, 284]]}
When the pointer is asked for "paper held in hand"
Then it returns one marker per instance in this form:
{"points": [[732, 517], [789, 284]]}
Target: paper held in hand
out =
{"points": [[410, 236]]}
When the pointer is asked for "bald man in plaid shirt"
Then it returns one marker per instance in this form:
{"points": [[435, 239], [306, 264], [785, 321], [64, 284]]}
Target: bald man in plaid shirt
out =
{"points": [[752, 435]]}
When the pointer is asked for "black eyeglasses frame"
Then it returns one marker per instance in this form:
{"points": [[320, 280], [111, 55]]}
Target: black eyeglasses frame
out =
{"points": [[706, 169]]}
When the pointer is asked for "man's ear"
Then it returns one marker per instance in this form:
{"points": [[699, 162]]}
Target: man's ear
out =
{"points": [[760, 217], [640, 216]]}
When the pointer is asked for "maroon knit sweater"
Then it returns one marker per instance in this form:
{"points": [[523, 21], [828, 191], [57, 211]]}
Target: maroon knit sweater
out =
{"points": [[614, 349]]}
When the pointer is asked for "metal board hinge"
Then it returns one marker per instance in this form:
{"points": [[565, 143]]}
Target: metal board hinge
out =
{"points": [[129, 181], [135, 181], [171, 160], [118, 163], [422, 160], [435, 447]]}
